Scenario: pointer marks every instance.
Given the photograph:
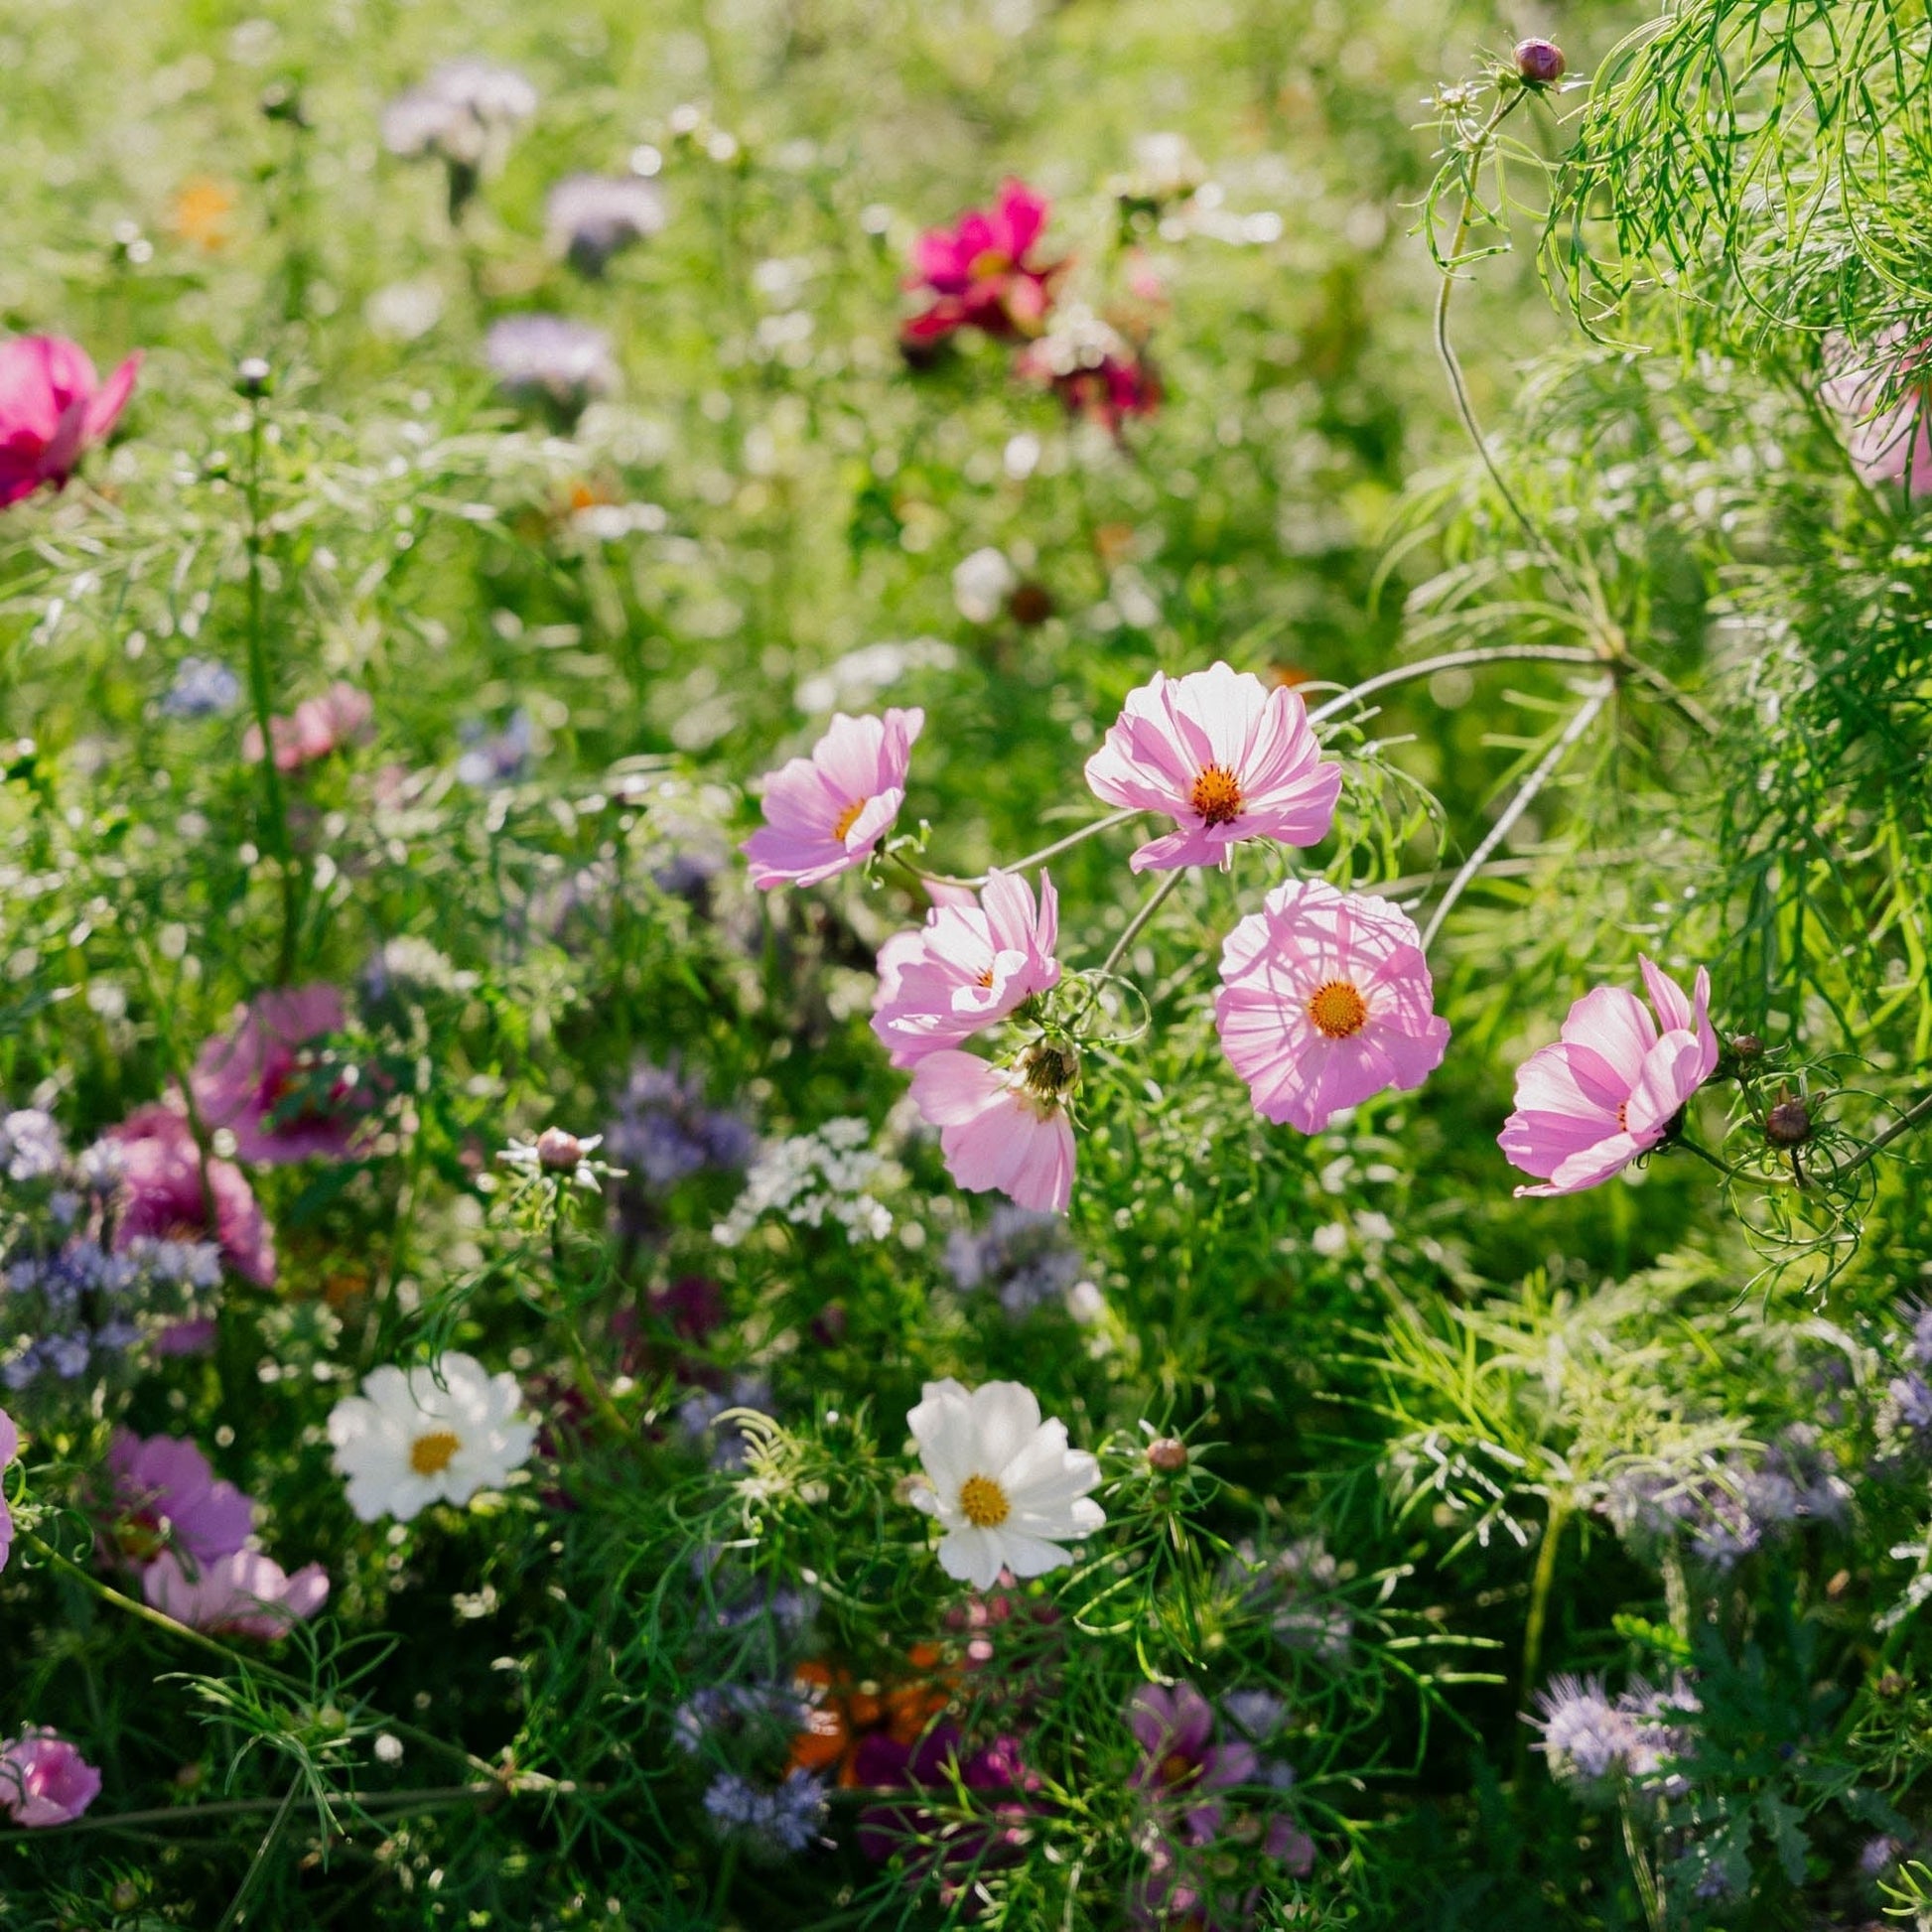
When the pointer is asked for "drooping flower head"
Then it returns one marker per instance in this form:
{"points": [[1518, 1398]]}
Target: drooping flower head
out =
{"points": [[1325, 1000], [1002, 1484], [1224, 756], [437, 1433], [969, 966], [825, 813], [317, 728], [9, 1448], [53, 408], [983, 272], [552, 362], [1612, 1085], [244, 1595], [590, 217], [1093, 368], [44, 1780], [1180, 1764], [160, 1195], [1003, 1129], [164, 1496], [257, 1081]]}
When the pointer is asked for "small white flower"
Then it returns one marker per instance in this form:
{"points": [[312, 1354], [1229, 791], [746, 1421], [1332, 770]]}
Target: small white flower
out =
{"points": [[981, 585], [434, 1434], [1002, 1484]]}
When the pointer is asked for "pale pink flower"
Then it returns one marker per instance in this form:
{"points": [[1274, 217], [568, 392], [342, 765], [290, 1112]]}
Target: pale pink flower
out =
{"points": [[1884, 445], [982, 271], [1225, 757], [244, 1079], [340, 716], [967, 967], [44, 1780], [1326, 1000], [246, 1593], [999, 1130], [164, 1496], [9, 1448], [52, 408], [162, 1199], [1612, 1084], [824, 814]]}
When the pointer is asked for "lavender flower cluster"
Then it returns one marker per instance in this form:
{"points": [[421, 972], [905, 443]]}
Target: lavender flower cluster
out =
{"points": [[1022, 1255], [1591, 1741], [771, 1822]]}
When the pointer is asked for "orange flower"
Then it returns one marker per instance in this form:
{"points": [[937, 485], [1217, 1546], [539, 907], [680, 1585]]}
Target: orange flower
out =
{"points": [[199, 214], [841, 1712]]}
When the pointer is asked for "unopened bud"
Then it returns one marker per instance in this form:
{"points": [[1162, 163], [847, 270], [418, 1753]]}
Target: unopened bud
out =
{"points": [[251, 376], [1540, 62], [557, 1151], [1745, 1046], [1166, 1455], [1788, 1124]]}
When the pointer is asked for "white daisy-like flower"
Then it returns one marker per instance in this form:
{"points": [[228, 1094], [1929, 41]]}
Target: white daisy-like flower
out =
{"points": [[434, 1434], [1002, 1484]]}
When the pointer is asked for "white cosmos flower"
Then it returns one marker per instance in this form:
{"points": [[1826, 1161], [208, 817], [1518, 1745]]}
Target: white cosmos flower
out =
{"points": [[434, 1434], [1004, 1484]]}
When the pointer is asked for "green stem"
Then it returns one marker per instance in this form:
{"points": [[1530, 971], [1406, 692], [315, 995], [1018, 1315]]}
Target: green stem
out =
{"points": [[260, 1862], [1704, 1154], [1541, 1583], [430, 1798], [1452, 660], [587, 1379], [1154, 900]]}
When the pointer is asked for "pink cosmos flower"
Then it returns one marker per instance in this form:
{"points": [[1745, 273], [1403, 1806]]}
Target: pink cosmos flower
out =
{"points": [[824, 814], [162, 1199], [44, 1780], [164, 1496], [967, 967], [1887, 445], [1180, 1765], [1612, 1084], [340, 716], [1326, 998], [245, 1080], [9, 1448], [245, 1595], [52, 408], [1225, 757], [982, 272], [999, 1128]]}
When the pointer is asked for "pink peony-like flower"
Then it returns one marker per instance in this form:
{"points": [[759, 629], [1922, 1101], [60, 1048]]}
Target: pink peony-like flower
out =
{"points": [[1225, 757], [164, 1496], [1887, 445], [9, 1448], [246, 1079], [319, 725], [244, 1595], [52, 408], [161, 1198], [1325, 1000], [967, 967], [1000, 1129], [824, 814], [1612, 1084], [1180, 1764], [44, 1780], [982, 271]]}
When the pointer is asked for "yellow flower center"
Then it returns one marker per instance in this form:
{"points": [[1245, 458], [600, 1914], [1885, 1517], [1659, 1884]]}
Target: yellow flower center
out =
{"points": [[431, 1454], [848, 818], [1338, 1010], [988, 263], [983, 1502], [1216, 796]]}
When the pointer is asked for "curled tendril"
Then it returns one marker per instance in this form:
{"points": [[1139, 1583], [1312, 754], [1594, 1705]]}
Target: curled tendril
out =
{"points": [[1094, 983]]}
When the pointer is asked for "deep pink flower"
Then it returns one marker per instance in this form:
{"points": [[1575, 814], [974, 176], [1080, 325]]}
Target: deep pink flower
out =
{"points": [[967, 967], [52, 408], [1094, 371], [996, 1130], [1612, 1084], [824, 814], [982, 271], [1180, 1765], [1887, 445], [1326, 998], [44, 1780], [9, 1448], [245, 1080], [1224, 756], [245, 1595], [162, 1199], [164, 1496], [319, 725]]}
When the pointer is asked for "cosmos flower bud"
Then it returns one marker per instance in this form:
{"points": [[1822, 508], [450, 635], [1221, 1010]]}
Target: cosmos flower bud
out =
{"points": [[1788, 1124], [558, 1150], [1745, 1046], [1540, 62], [251, 376], [1166, 1455]]}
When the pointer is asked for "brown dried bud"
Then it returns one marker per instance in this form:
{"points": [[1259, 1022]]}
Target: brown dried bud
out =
{"points": [[1166, 1455], [557, 1151], [1540, 62], [1788, 1124], [1031, 605]]}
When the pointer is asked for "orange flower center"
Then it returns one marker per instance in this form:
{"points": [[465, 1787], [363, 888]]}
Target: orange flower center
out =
{"points": [[431, 1454], [1338, 1010], [1176, 1768], [848, 818], [986, 979], [988, 263], [983, 1502], [1216, 796]]}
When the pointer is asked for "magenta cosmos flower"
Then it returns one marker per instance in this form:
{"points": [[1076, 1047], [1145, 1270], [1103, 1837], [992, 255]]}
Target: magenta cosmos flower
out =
{"points": [[248, 1079], [1325, 1000], [317, 727], [1180, 1765], [244, 1595], [982, 271], [9, 1448], [1224, 756], [44, 1780], [162, 1198], [53, 407], [967, 967], [166, 1497], [1002, 1128], [824, 814], [1612, 1084]]}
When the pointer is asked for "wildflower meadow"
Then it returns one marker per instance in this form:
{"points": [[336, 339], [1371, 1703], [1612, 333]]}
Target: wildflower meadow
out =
{"points": [[966, 965]]}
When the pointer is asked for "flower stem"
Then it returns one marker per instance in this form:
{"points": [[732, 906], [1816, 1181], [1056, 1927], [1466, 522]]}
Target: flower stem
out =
{"points": [[1154, 900], [1452, 660], [1914, 1116], [1723, 1165], [1540, 1581]]}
